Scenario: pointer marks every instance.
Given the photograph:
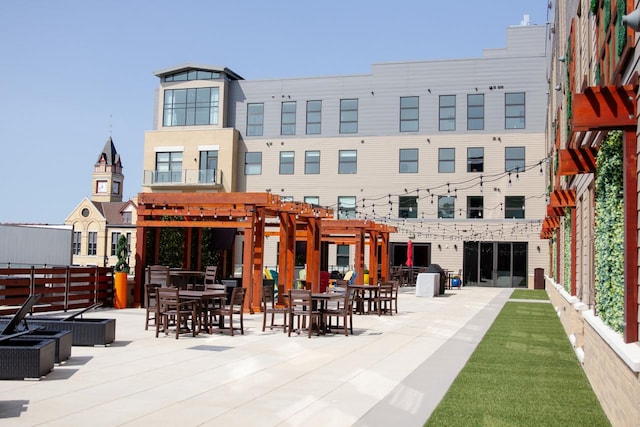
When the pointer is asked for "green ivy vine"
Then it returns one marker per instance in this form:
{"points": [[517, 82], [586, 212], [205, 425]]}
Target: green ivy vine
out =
{"points": [[609, 231], [621, 30], [554, 256], [594, 7], [567, 250], [606, 8]]}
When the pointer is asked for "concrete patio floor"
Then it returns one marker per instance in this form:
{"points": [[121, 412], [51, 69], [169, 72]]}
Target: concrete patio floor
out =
{"points": [[393, 371]]}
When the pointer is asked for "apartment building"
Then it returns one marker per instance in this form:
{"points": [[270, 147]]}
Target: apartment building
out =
{"points": [[451, 152]]}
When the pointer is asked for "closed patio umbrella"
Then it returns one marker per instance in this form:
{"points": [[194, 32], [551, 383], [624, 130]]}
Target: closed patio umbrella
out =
{"points": [[409, 262]]}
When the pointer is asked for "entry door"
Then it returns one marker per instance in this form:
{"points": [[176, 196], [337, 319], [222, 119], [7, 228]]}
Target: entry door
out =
{"points": [[501, 264], [487, 270]]}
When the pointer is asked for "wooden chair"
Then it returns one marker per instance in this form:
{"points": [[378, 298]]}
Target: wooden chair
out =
{"points": [[173, 311], [150, 302], [301, 308], [394, 299], [158, 274], [344, 311], [269, 307], [210, 274], [384, 298], [235, 308]]}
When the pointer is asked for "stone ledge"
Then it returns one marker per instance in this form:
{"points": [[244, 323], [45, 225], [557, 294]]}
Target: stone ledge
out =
{"points": [[629, 353]]}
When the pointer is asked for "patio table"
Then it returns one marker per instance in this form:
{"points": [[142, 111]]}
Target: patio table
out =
{"points": [[202, 299], [366, 293]]}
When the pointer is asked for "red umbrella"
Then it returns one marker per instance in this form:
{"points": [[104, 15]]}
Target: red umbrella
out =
{"points": [[409, 262]]}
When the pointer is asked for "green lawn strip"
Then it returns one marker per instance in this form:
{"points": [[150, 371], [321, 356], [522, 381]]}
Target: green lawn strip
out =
{"points": [[523, 373], [529, 294]]}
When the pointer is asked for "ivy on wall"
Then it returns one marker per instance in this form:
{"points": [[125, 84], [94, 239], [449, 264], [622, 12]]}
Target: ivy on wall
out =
{"points": [[567, 250], [606, 9], [609, 231], [621, 30], [554, 256], [594, 7]]}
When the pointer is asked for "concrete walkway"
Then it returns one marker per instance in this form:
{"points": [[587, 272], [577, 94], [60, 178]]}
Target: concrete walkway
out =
{"points": [[393, 371]]}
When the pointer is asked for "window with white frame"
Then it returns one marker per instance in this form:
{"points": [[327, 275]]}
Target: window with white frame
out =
{"points": [[514, 159], [348, 116], [208, 166], [191, 107], [255, 119], [346, 207], [446, 160], [169, 166], [77, 242], [115, 236], [446, 207], [92, 243], [408, 206], [475, 111], [514, 110], [475, 206], [312, 200], [475, 159], [514, 207], [312, 162]]}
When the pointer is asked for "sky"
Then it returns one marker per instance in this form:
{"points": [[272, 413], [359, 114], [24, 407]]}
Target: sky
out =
{"points": [[74, 72]]}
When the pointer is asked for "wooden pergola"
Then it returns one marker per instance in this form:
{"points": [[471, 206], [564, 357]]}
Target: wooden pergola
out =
{"points": [[252, 214]]}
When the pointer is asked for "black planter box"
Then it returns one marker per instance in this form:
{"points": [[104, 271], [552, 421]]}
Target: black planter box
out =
{"points": [[63, 340], [85, 332], [22, 358]]}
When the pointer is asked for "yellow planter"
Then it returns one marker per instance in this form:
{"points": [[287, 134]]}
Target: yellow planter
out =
{"points": [[120, 290], [365, 278]]}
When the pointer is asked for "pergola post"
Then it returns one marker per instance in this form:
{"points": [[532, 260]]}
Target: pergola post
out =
{"points": [[373, 256]]}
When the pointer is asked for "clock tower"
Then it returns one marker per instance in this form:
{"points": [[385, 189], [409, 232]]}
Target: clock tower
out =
{"points": [[107, 177]]}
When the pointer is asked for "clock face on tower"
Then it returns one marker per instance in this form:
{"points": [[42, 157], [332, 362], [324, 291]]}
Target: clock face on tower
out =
{"points": [[102, 186]]}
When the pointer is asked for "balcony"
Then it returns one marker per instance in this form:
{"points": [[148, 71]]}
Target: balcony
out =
{"points": [[206, 178]]}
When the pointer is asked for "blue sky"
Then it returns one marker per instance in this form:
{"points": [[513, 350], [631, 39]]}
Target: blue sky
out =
{"points": [[75, 70]]}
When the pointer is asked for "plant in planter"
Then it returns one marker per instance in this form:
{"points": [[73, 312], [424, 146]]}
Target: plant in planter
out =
{"points": [[121, 272], [365, 277]]}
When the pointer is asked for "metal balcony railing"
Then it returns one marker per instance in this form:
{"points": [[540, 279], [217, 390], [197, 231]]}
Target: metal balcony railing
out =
{"points": [[183, 177]]}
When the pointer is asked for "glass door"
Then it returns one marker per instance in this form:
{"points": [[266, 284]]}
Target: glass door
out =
{"points": [[487, 266]]}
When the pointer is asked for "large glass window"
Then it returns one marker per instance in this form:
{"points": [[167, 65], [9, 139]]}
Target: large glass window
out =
{"points": [[191, 75], [475, 206], [342, 255], [348, 115], [409, 106], [348, 161], [255, 119], [446, 160], [408, 207], [312, 200], [447, 112], [475, 159], [190, 107], [288, 118], [514, 207], [92, 243], [77, 242], [253, 163], [346, 207], [287, 162], [312, 162], [408, 160], [314, 117], [475, 112], [514, 159], [514, 110], [115, 236], [446, 206], [208, 166], [169, 166]]}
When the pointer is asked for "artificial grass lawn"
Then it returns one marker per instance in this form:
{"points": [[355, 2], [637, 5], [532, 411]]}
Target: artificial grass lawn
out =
{"points": [[523, 373], [530, 294]]}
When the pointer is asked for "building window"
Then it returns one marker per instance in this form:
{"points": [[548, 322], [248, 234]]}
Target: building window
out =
{"points": [[169, 166], [115, 187], [408, 207], [348, 115], [183, 76], [475, 159], [191, 107], [255, 119], [514, 110], [446, 206], [311, 162], [92, 243], [126, 217], [514, 159], [115, 236], [287, 162], [447, 112], [408, 160], [253, 163], [346, 207], [446, 160], [475, 206], [312, 200], [514, 207], [409, 107], [348, 161], [342, 255], [288, 118], [475, 112], [77, 242], [314, 116], [208, 167]]}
